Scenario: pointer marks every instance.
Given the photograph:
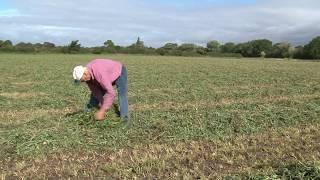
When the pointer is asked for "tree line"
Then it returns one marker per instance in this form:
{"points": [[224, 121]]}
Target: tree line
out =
{"points": [[255, 48]]}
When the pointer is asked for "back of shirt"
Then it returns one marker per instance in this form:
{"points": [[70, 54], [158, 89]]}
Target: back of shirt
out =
{"points": [[104, 72], [107, 68]]}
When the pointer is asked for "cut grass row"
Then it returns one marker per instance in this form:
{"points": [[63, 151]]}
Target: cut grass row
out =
{"points": [[258, 155]]}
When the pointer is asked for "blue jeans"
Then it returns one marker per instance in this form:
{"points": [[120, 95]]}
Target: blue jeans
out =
{"points": [[122, 87]]}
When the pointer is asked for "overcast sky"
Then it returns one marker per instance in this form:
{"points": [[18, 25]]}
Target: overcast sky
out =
{"points": [[158, 21]]}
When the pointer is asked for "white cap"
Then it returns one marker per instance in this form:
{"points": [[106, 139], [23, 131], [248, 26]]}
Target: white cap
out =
{"points": [[78, 72]]}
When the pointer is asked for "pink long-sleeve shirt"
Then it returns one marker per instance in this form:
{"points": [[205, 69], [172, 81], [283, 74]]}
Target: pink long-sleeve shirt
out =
{"points": [[103, 73]]}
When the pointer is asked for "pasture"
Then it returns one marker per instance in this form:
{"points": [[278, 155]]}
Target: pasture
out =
{"points": [[191, 117]]}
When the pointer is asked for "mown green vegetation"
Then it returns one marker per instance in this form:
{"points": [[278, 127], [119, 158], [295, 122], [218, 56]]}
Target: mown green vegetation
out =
{"points": [[191, 117]]}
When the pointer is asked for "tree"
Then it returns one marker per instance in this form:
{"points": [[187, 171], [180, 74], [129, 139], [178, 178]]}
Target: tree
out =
{"points": [[213, 46], [109, 44], [109, 47], [170, 46], [169, 49], [201, 50], [161, 51], [73, 47], [254, 48], [97, 50], [281, 50], [298, 52], [244, 49], [38, 47], [261, 45], [187, 47], [228, 48], [6, 45], [24, 47], [49, 45], [312, 49]]}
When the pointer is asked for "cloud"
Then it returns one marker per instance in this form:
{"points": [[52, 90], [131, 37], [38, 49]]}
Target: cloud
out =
{"points": [[158, 22], [9, 13]]}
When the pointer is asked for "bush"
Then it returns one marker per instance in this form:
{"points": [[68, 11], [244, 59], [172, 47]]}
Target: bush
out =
{"points": [[97, 50], [190, 53], [214, 54], [313, 48]]}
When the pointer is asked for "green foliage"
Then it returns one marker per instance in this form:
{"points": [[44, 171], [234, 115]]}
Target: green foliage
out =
{"points": [[201, 50], [167, 101], [97, 50], [254, 48], [213, 46], [49, 45], [312, 49], [228, 47], [215, 54], [6, 46], [189, 49], [109, 47], [281, 50], [161, 51], [299, 53], [308, 171], [109, 44], [300, 171], [170, 46], [172, 100], [170, 49], [24, 47], [72, 48]]}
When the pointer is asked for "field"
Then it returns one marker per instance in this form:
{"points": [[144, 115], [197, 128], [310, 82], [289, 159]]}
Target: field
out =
{"points": [[191, 118]]}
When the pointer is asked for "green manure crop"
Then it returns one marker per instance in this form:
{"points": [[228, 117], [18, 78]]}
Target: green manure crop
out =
{"points": [[177, 105]]}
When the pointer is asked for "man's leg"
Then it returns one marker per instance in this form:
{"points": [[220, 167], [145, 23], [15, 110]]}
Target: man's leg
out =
{"points": [[122, 86]]}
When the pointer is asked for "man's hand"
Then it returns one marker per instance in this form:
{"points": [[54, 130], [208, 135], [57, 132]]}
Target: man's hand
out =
{"points": [[100, 115]]}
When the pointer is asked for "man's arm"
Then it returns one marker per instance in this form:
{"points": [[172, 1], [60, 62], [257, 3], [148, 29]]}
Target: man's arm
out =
{"points": [[108, 97]]}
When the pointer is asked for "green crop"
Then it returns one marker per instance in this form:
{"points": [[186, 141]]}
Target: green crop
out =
{"points": [[177, 105]]}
